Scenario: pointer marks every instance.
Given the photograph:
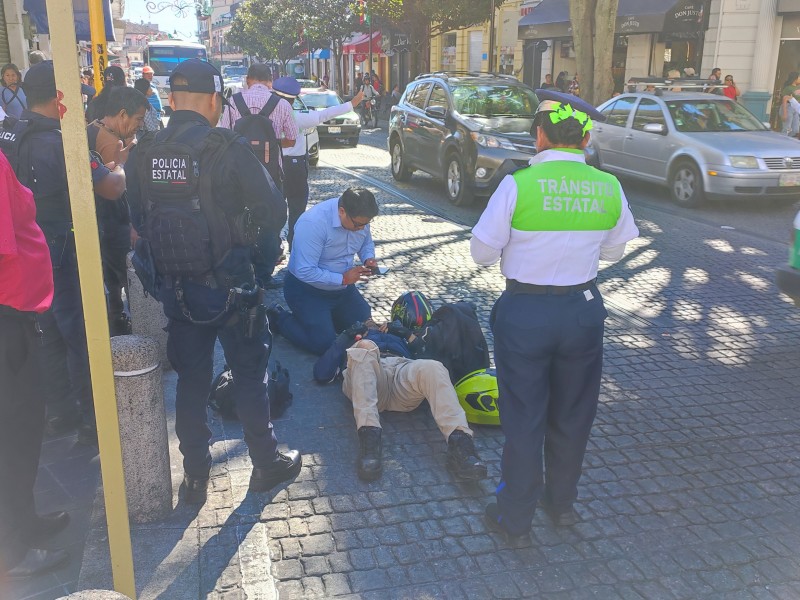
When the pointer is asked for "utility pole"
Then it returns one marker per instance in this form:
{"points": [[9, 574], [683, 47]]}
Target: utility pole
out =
{"points": [[369, 68], [491, 40]]}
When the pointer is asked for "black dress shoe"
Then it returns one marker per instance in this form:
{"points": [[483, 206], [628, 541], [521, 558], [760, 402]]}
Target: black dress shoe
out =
{"points": [[563, 518], [46, 526], [195, 489], [285, 467], [38, 562], [492, 517]]}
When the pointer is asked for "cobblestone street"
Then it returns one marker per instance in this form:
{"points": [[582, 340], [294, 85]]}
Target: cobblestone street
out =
{"points": [[690, 486]]}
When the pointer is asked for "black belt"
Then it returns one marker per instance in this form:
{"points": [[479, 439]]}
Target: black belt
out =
{"points": [[207, 280], [517, 287]]}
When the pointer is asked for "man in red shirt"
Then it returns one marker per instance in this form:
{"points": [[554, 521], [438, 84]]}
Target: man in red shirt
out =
{"points": [[26, 289]]}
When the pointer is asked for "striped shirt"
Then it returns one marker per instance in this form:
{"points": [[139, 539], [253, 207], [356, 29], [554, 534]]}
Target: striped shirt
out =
{"points": [[256, 96]]}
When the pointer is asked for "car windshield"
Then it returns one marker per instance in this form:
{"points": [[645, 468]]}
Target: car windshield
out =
{"points": [[307, 83], [712, 115], [494, 100], [321, 100]]}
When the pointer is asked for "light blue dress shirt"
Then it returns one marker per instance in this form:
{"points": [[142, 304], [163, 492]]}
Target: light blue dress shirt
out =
{"points": [[323, 250]]}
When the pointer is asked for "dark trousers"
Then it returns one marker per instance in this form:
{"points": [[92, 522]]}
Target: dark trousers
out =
{"points": [[295, 186], [317, 315], [67, 312], [52, 351], [115, 276], [22, 408], [549, 357], [190, 349]]}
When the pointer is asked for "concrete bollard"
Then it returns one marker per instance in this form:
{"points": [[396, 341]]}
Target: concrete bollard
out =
{"points": [[147, 316], [95, 595], [142, 427]]}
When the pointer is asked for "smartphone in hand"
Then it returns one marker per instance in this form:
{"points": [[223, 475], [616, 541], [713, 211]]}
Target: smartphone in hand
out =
{"points": [[379, 270]]}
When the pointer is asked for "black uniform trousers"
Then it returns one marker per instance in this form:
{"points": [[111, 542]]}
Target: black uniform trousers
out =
{"points": [[295, 186], [190, 349], [549, 358], [22, 410]]}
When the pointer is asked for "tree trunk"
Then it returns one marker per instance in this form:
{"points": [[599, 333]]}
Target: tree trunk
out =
{"points": [[337, 54], [593, 24], [605, 19]]}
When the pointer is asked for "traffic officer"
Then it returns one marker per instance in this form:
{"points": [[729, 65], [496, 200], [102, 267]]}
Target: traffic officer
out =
{"points": [[36, 151], [211, 294], [295, 159], [550, 223]]}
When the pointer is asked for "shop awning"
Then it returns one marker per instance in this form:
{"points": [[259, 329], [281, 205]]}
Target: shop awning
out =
{"points": [[360, 43], [37, 11], [550, 19]]}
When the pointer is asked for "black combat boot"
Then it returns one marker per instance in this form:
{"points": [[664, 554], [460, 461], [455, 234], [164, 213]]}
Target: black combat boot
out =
{"points": [[370, 466], [462, 458]]}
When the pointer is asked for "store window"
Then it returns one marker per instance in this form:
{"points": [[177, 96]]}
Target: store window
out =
{"points": [[506, 64]]}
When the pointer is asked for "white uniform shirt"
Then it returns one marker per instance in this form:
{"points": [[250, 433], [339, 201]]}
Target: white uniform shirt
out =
{"points": [[312, 118], [545, 257]]}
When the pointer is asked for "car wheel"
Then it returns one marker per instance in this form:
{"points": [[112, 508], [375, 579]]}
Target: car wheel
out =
{"points": [[455, 185], [352, 141], [686, 185], [399, 170], [313, 161]]}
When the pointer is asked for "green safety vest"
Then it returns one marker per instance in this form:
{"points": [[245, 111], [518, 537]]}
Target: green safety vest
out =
{"points": [[563, 195]]}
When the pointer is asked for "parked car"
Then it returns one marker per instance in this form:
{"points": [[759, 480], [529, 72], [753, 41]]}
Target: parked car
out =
{"points": [[307, 84], [312, 137], [698, 145], [346, 126], [470, 130]]}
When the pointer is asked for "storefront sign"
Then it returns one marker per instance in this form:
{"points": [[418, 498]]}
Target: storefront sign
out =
{"points": [[359, 58]]}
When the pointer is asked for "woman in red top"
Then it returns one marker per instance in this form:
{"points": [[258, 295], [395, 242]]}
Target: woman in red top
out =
{"points": [[731, 90]]}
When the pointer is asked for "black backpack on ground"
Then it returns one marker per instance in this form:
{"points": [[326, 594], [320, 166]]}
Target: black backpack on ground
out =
{"points": [[221, 397], [259, 131], [455, 338]]}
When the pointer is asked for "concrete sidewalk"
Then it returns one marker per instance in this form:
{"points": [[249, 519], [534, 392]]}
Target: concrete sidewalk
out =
{"points": [[691, 485]]}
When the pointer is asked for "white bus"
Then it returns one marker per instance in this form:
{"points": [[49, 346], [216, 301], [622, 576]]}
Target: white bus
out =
{"points": [[163, 56]]}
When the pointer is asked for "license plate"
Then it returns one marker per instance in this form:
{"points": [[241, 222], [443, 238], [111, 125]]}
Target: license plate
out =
{"points": [[789, 179], [339, 130]]}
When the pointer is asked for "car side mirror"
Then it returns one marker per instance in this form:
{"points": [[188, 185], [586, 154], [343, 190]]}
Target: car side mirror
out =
{"points": [[655, 128], [436, 112]]}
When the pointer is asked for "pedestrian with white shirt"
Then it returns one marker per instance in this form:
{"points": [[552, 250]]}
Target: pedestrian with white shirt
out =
{"points": [[295, 159], [549, 224]]}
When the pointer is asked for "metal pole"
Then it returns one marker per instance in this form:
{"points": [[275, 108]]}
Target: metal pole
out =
{"points": [[369, 68], [84, 218], [97, 28], [491, 40]]}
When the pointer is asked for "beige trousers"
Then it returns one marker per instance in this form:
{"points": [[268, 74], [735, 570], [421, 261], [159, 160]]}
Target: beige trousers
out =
{"points": [[376, 384]]}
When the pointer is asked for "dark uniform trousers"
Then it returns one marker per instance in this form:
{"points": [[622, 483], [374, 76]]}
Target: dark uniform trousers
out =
{"points": [[549, 357], [22, 408], [295, 186], [67, 316], [190, 349]]}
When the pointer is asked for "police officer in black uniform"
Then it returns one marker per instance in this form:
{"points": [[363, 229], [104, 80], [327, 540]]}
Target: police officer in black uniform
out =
{"points": [[198, 196], [36, 151]]}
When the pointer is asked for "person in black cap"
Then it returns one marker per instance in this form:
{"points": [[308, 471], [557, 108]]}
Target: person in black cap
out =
{"points": [[550, 223], [36, 151], [295, 159], [198, 198]]}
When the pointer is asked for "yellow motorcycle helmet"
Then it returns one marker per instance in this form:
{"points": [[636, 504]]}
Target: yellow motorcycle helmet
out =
{"points": [[478, 396]]}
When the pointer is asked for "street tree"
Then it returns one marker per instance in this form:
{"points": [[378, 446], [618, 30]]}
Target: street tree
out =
{"points": [[267, 29], [422, 20], [593, 23], [329, 22]]}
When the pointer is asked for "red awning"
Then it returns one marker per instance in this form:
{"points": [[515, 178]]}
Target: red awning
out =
{"points": [[359, 44]]}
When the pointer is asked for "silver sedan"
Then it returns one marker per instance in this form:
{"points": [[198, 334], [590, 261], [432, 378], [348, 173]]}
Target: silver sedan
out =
{"points": [[698, 145]]}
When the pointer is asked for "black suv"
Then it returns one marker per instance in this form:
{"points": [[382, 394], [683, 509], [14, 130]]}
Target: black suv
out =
{"points": [[469, 129]]}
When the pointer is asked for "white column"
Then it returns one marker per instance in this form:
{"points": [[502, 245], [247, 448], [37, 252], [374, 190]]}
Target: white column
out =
{"points": [[17, 44], [765, 41]]}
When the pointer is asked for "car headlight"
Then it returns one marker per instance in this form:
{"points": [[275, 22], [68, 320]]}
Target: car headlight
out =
{"points": [[744, 162], [490, 141], [351, 121]]}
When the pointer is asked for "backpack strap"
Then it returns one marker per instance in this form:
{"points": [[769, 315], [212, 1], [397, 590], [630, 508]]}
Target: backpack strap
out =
{"points": [[273, 101], [241, 105], [14, 96]]}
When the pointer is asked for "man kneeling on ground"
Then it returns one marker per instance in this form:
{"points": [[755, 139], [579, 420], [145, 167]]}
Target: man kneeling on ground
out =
{"points": [[376, 383]]}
